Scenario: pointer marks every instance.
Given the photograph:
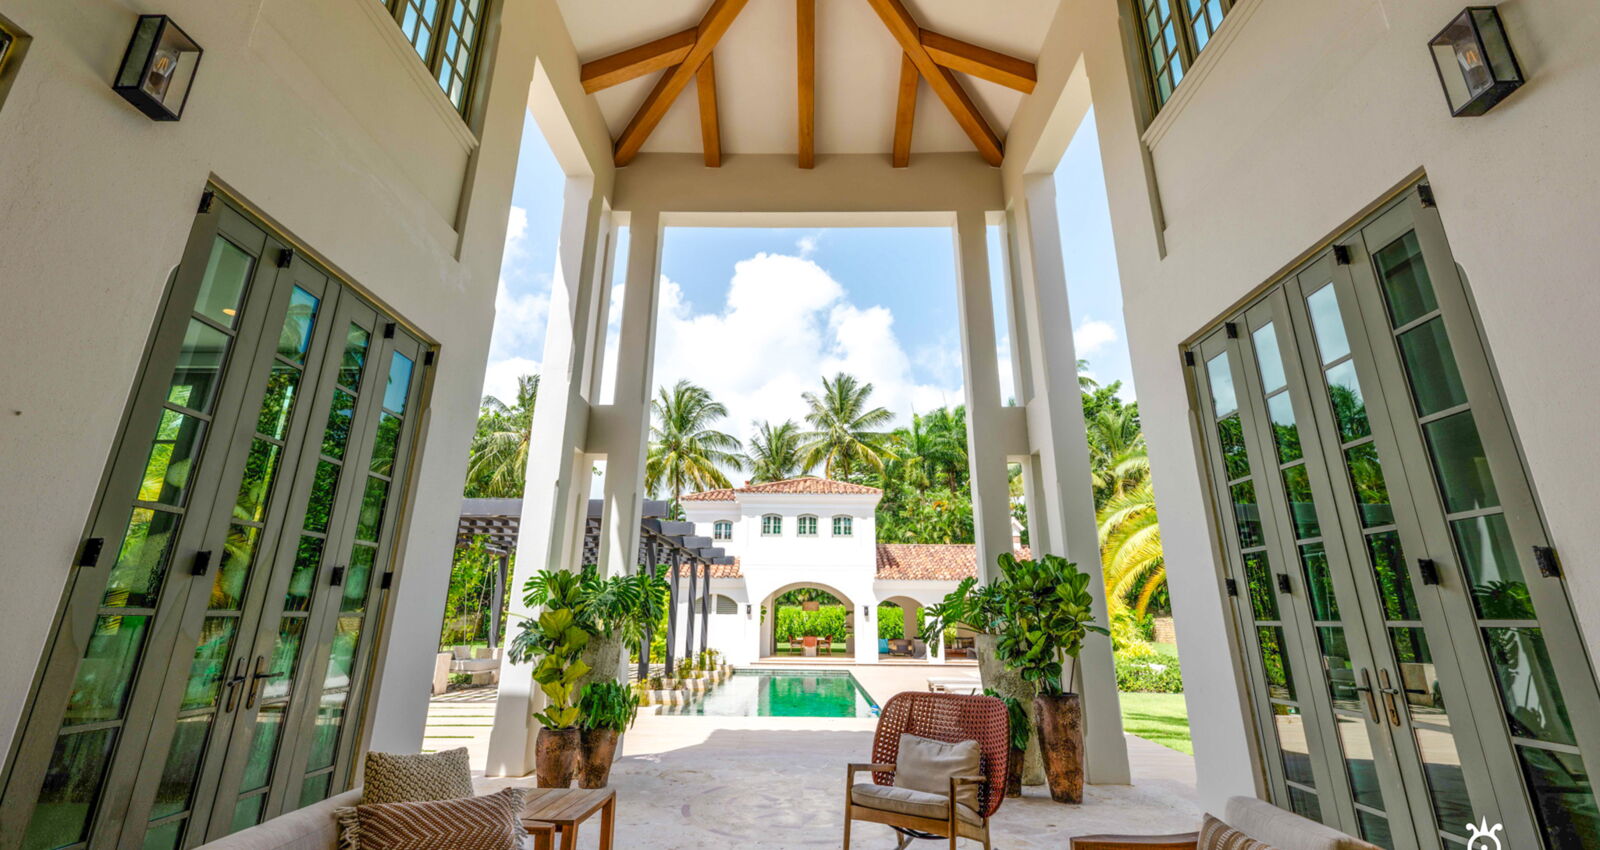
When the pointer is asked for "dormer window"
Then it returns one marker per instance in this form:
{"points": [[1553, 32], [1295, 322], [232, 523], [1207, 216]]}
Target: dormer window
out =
{"points": [[843, 526], [771, 525], [806, 526], [722, 530]]}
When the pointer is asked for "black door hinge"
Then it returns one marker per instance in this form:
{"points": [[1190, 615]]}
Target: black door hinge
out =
{"points": [[202, 563], [206, 199], [1545, 557], [1232, 329], [388, 330], [285, 257], [1283, 583], [1425, 195], [387, 581], [336, 577], [1232, 585], [1188, 358], [1428, 570], [1341, 255], [427, 358], [90, 557]]}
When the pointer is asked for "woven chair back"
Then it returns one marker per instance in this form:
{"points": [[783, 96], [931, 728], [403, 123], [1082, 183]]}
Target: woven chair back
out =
{"points": [[950, 718]]}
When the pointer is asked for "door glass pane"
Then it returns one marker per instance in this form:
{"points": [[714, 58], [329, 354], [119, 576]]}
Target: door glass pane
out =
{"points": [[388, 438], [1327, 324], [1394, 583], [1528, 687], [1223, 401], [199, 369], [1375, 829], [1258, 574], [263, 747], [1372, 492], [1248, 514], [325, 482], [315, 789], [183, 765], [343, 653], [1235, 461], [238, 553], [1268, 358], [1563, 797], [1285, 433], [166, 473], [307, 560], [372, 502], [71, 787], [295, 337], [1304, 804], [1359, 762], [325, 735], [1349, 406], [247, 812], [1280, 682], [100, 689], [142, 561], [337, 433], [1489, 556], [357, 579], [1405, 280], [1297, 485], [1319, 582], [1419, 677], [1341, 672], [1292, 741], [1460, 464], [1447, 785], [356, 340], [285, 656], [222, 287], [260, 471], [399, 386], [279, 401], [1431, 367], [165, 836], [210, 664]]}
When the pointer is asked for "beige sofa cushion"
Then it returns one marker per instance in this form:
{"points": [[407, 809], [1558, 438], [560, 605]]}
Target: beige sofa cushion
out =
{"points": [[418, 777], [1216, 835], [907, 801], [1284, 829], [924, 764], [314, 826]]}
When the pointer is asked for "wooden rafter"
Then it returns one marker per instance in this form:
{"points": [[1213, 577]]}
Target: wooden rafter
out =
{"points": [[705, 83], [905, 111], [712, 26], [980, 62], [636, 61], [940, 79], [806, 50]]}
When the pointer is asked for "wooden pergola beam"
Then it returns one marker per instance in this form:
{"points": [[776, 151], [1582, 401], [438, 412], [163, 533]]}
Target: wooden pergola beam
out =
{"points": [[905, 111], [712, 26], [635, 62], [806, 50], [705, 83], [980, 62], [940, 79]]}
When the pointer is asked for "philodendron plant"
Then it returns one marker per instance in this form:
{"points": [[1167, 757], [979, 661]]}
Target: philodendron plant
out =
{"points": [[555, 640], [1046, 611]]}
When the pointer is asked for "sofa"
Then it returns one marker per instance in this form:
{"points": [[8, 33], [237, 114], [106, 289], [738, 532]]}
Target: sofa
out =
{"points": [[310, 827], [1278, 828]]}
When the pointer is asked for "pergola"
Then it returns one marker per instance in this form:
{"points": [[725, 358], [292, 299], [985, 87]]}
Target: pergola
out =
{"points": [[662, 543]]}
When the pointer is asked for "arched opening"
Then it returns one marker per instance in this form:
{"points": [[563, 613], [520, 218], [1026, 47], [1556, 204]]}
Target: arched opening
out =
{"points": [[899, 625], [808, 620]]}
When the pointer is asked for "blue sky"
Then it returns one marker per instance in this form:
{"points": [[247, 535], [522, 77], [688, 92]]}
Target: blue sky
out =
{"points": [[757, 315]]}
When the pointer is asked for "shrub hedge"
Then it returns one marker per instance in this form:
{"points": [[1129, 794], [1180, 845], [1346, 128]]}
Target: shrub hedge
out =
{"points": [[827, 621], [1153, 674]]}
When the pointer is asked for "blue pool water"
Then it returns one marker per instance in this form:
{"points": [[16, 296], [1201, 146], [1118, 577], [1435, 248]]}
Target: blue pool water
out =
{"points": [[785, 693]]}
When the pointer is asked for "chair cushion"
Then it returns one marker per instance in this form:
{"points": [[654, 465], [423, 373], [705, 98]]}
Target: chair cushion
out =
{"points": [[395, 778], [923, 764], [491, 822], [1284, 829], [1216, 835], [905, 801]]}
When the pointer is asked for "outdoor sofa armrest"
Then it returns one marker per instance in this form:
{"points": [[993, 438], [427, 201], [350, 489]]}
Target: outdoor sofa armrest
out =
{"points": [[1184, 841], [856, 767]]}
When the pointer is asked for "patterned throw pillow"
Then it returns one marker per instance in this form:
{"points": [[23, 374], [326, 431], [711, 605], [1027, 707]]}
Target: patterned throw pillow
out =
{"points": [[395, 778], [491, 822], [1216, 835]]}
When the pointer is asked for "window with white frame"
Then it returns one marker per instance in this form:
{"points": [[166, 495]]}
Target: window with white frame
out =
{"points": [[447, 35], [771, 525], [722, 530], [843, 526], [806, 526]]}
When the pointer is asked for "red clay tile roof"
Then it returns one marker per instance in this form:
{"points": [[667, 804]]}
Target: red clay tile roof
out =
{"points": [[807, 485], [930, 561], [717, 570]]}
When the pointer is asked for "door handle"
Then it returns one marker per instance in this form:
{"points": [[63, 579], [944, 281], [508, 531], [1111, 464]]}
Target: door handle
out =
{"points": [[1389, 694], [233, 685], [256, 678], [1366, 690]]}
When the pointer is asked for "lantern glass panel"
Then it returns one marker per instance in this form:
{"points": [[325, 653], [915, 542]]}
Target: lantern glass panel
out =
{"points": [[159, 68], [1462, 64], [1496, 46]]}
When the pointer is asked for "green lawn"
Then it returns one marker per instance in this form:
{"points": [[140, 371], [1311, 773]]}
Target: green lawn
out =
{"points": [[1162, 718]]}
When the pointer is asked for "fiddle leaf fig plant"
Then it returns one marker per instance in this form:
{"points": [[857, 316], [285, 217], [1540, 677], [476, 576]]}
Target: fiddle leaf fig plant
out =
{"points": [[555, 640], [1046, 612]]}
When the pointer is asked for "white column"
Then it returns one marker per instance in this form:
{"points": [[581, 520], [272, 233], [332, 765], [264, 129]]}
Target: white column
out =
{"points": [[991, 501], [629, 417], [554, 498], [1064, 506]]}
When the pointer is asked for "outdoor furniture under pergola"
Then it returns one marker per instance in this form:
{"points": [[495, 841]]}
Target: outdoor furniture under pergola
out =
{"points": [[663, 544]]}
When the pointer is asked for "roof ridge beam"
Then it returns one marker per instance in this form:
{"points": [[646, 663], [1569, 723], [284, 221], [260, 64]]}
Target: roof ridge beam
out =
{"points": [[608, 71], [940, 79], [710, 30], [905, 111], [980, 62]]}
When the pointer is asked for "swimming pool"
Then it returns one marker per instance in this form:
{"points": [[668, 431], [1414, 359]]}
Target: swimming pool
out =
{"points": [[785, 693]]}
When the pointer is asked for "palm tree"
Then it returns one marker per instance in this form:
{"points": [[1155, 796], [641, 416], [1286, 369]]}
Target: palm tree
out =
{"points": [[845, 434], [1118, 457], [774, 452], [685, 452], [498, 461], [1130, 549]]}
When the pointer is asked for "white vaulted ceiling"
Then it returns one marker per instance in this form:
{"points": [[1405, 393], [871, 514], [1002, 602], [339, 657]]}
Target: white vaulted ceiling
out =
{"points": [[857, 62]]}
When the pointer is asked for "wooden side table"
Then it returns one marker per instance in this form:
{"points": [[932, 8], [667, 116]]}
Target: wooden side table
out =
{"points": [[560, 810]]}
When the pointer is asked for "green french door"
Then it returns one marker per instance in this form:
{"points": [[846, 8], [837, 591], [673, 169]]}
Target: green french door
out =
{"points": [[209, 659], [1414, 661]]}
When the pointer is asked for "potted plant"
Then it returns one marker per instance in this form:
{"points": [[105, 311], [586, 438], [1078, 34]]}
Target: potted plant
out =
{"points": [[1046, 612], [608, 708], [555, 640], [1021, 732]]}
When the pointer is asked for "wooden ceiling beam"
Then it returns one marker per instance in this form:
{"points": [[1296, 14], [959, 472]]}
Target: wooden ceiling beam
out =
{"points": [[635, 62], [905, 111], [980, 62], [705, 83], [712, 26], [940, 79], [806, 50]]}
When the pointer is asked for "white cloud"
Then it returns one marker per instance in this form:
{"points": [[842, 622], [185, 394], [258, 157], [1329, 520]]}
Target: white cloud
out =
{"points": [[500, 379], [807, 244], [1091, 336], [521, 311]]}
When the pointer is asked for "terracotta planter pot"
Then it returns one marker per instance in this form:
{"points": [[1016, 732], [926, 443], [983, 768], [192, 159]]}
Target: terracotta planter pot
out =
{"points": [[1014, 772], [599, 748], [1060, 728], [556, 757]]}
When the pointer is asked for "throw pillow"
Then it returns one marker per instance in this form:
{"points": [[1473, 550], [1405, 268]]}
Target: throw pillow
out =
{"points": [[1216, 835], [396, 778], [490, 822], [924, 764]]}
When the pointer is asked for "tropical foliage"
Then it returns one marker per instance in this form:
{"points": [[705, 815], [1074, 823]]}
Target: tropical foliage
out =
{"points": [[774, 452], [554, 641], [498, 463], [827, 621], [845, 433], [686, 453]]}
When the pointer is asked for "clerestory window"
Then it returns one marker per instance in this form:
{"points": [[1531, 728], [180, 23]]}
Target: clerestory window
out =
{"points": [[447, 35], [1172, 33]]}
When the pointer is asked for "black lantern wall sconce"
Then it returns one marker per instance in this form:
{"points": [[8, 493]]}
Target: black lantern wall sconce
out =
{"points": [[1475, 63], [158, 70]]}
